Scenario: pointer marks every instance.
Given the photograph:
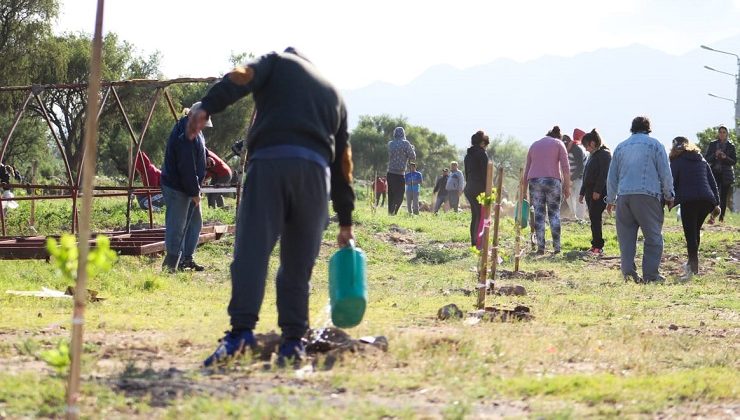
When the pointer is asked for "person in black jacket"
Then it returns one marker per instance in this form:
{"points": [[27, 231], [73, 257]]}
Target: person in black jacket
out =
{"points": [[476, 164], [722, 157], [696, 192], [441, 189], [593, 189], [298, 145]]}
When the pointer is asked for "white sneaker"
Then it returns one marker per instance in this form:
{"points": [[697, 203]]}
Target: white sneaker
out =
{"points": [[687, 273]]}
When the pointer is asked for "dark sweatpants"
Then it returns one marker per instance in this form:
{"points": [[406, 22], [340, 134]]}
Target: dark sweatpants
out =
{"points": [[285, 198], [396, 190], [595, 214]]}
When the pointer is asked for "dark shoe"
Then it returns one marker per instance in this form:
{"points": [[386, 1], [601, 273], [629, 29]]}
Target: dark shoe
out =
{"points": [[168, 265], [633, 277], [232, 345], [556, 252], [291, 352], [190, 265], [659, 279], [540, 252], [694, 263]]}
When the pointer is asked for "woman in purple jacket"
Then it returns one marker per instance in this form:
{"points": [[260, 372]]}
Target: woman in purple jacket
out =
{"points": [[696, 192]]}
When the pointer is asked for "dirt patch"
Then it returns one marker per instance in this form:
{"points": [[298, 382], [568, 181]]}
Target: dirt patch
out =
{"points": [[672, 265], [726, 410], [494, 314], [458, 291], [508, 290], [401, 238]]}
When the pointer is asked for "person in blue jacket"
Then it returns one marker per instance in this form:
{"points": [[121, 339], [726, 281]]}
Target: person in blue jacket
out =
{"points": [[182, 175], [413, 180], [696, 192]]}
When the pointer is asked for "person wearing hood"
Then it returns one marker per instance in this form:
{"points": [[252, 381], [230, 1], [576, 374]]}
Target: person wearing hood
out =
{"points": [[400, 153], [547, 174], [593, 188], [696, 192], [476, 166], [721, 156]]}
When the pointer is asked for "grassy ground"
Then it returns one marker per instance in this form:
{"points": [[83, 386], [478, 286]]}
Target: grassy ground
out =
{"points": [[596, 347]]}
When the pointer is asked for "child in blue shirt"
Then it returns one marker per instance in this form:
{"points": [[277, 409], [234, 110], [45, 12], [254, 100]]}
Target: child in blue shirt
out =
{"points": [[413, 185]]}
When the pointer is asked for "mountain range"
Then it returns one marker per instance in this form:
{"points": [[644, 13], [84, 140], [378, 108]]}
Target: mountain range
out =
{"points": [[602, 89]]}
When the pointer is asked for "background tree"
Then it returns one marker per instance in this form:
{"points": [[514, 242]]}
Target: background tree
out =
{"points": [[229, 125], [709, 135], [24, 27], [370, 147], [511, 154], [66, 60]]}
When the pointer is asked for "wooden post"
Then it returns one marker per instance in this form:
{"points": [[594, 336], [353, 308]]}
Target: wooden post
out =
{"points": [[90, 158], [485, 213], [518, 221], [496, 216], [34, 167]]}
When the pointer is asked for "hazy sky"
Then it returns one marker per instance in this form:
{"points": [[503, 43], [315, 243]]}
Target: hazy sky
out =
{"points": [[355, 43]]}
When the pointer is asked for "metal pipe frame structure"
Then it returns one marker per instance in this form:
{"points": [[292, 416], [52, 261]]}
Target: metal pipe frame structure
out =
{"points": [[108, 89]]}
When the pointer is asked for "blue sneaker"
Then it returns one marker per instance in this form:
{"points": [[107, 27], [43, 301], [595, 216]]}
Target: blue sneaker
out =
{"points": [[233, 344], [291, 350]]}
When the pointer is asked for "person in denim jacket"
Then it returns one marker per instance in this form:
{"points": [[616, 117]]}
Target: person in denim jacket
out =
{"points": [[640, 182]]}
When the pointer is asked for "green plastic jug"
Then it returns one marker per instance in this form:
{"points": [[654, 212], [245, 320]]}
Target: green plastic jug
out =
{"points": [[522, 213], [348, 286]]}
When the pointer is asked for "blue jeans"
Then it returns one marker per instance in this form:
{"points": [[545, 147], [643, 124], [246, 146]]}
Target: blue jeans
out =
{"points": [[178, 208]]}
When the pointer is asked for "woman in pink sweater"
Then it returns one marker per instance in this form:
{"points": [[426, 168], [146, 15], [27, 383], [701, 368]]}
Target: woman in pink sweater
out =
{"points": [[547, 175]]}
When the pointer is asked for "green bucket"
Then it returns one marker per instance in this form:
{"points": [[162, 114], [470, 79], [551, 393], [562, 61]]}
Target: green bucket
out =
{"points": [[522, 213], [348, 286]]}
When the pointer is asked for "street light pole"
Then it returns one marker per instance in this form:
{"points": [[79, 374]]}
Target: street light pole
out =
{"points": [[721, 97], [737, 85]]}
